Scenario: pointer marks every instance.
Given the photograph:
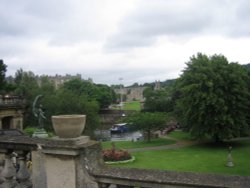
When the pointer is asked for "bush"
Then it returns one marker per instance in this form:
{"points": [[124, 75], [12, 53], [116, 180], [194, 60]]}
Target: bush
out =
{"points": [[29, 130]]}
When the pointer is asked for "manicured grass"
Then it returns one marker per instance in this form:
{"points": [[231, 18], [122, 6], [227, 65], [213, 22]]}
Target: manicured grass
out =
{"points": [[204, 158], [180, 135], [138, 144], [134, 105]]}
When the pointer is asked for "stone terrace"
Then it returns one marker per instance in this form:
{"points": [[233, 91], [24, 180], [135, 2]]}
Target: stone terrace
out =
{"points": [[78, 164]]}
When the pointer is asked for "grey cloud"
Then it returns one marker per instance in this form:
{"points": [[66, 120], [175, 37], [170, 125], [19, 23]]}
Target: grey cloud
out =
{"points": [[152, 19], [240, 22], [130, 75], [60, 21], [157, 18]]}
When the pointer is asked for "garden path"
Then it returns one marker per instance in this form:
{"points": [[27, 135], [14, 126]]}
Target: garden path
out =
{"points": [[177, 145]]}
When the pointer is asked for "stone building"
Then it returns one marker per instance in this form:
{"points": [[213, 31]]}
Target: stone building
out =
{"points": [[157, 85], [59, 79], [131, 93], [11, 112]]}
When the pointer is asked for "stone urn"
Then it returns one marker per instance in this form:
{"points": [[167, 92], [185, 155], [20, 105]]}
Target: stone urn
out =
{"points": [[68, 126]]}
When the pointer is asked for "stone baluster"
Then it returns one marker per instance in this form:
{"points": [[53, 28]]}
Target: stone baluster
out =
{"points": [[9, 172], [103, 185], [23, 175]]}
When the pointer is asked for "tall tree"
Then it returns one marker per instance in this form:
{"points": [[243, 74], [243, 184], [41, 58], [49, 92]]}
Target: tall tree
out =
{"points": [[27, 87], [214, 97], [3, 69], [103, 94]]}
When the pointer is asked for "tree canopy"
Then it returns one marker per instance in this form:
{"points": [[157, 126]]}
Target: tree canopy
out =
{"points": [[158, 101], [3, 69], [75, 96], [214, 97]]}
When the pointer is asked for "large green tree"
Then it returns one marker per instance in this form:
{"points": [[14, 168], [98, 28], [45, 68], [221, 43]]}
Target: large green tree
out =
{"points": [[158, 101], [103, 94], [214, 98]]}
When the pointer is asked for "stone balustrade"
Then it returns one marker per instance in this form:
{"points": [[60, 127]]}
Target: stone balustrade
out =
{"points": [[14, 152], [77, 163], [15, 174], [142, 178], [9, 101]]}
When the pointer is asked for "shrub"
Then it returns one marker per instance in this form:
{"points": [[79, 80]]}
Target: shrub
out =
{"points": [[30, 130]]}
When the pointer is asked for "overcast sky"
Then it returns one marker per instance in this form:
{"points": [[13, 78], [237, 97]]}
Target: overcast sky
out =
{"points": [[137, 40]]}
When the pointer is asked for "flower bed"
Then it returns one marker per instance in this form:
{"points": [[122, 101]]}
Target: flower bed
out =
{"points": [[115, 155], [121, 162]]}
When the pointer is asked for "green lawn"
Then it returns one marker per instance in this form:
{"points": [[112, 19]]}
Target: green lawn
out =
{"points": [[138, 144], [134, 105], [180, 135], [206, 158]]}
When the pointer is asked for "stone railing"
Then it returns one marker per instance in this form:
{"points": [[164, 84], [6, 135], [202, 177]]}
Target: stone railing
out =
{"points": [[142, 178], [14, 154], [77, 163], [11, 101]]}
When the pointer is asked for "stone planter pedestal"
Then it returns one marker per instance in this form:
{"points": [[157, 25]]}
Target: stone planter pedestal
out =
{"points": [[68, 126], [69, 157]]}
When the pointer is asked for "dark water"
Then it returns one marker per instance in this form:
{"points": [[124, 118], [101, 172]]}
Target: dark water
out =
{"points": [[129, 136]]}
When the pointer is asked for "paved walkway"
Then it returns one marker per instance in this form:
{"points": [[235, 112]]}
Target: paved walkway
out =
{"points": [[177, 145]]}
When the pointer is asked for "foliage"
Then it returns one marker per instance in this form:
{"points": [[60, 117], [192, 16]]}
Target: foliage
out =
{"points": [[30, 130], [158, 101], [247, 66], [3, 69], [103, 94], [68, 102], [28, 88], [214, 97], [147, 121], [75, 96], [71, 98]]}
